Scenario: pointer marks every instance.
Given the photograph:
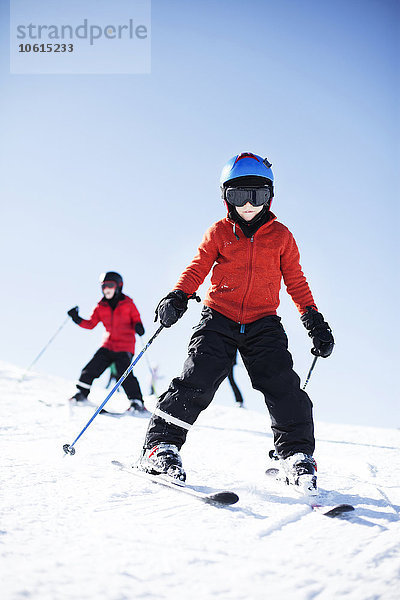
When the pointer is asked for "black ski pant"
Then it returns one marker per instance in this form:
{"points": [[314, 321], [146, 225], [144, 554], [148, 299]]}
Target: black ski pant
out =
{"points": [[212, 349], [100, 362]]}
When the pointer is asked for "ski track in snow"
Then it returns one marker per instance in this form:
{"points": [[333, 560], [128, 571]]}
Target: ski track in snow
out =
{"points": [[76, 527]]}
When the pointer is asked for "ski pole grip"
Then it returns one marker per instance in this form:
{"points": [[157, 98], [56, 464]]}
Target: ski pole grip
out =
{"points": [[194, 296]]}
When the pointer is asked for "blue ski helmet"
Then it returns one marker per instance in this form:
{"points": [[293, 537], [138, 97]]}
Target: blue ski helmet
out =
{"points": [[247, 165]]}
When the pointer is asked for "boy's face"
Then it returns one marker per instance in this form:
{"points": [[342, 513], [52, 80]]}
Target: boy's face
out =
{"points": [[109, 289], [248, 211]]}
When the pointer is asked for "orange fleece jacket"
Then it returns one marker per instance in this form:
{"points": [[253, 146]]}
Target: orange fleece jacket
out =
{"points": [[247, 272]]}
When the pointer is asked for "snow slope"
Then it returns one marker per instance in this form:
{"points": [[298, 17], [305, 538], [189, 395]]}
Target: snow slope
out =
{"points": [[75, 527]]}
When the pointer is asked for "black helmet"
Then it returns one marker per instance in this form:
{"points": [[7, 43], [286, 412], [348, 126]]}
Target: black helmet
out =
{"points": [[112, 276]]}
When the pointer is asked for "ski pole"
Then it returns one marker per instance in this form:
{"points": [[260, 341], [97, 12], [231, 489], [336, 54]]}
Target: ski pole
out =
{"points": [[152, 372], [43, 349], [309, 372], [69, 448]]}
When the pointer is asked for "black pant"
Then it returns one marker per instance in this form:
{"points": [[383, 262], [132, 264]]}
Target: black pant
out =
{"points": [[100, 362], [212, 350]]}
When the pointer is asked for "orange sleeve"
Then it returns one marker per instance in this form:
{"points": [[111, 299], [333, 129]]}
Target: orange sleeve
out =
{"points": [[293, 276], [194, 274]]}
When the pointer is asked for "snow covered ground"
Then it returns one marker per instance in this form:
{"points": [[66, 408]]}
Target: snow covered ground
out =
{"points": [[75, 527]]}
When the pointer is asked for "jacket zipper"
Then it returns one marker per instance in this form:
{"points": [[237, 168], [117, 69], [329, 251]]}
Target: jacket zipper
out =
{"points": [[249, 275]]}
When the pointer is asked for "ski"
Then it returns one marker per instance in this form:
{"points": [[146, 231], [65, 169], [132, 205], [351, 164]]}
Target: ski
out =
{"points": [[111, 414], [332, 511], [145, 414], [217, 498], [51, 404], [73, 402], [323, 509]]}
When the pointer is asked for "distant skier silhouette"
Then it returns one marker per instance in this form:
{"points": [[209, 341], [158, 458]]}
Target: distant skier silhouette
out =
{"points": [[236, 391]]}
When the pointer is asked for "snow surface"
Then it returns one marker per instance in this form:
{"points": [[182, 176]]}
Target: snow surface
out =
{"points": [[76, 527]]}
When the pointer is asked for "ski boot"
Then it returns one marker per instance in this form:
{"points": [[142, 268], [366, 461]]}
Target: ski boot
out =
{"points": [[136, 406], [78, 398], [162, 459], [300, 470]]}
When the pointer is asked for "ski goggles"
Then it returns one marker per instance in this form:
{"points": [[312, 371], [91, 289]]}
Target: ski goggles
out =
{"points": [[109, 284], [241, 196]]}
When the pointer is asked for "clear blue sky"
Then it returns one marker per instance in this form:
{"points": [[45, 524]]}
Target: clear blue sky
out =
{"points": [[121, 172]]}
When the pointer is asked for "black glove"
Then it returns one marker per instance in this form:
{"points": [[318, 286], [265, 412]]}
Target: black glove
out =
{"points": [[139, 329], [171, 308], [73, 313], [319, 331]]}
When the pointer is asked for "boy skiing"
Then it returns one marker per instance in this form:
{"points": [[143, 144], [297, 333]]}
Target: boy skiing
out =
{"points": [[250, 252], [122, 321]]}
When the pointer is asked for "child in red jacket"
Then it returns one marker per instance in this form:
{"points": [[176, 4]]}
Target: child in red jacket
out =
{"points": [[121, 320], [249, 252]]}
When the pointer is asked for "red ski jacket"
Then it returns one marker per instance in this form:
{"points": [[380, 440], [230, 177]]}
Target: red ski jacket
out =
{"points": [[247, 273], [119, 324]]}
